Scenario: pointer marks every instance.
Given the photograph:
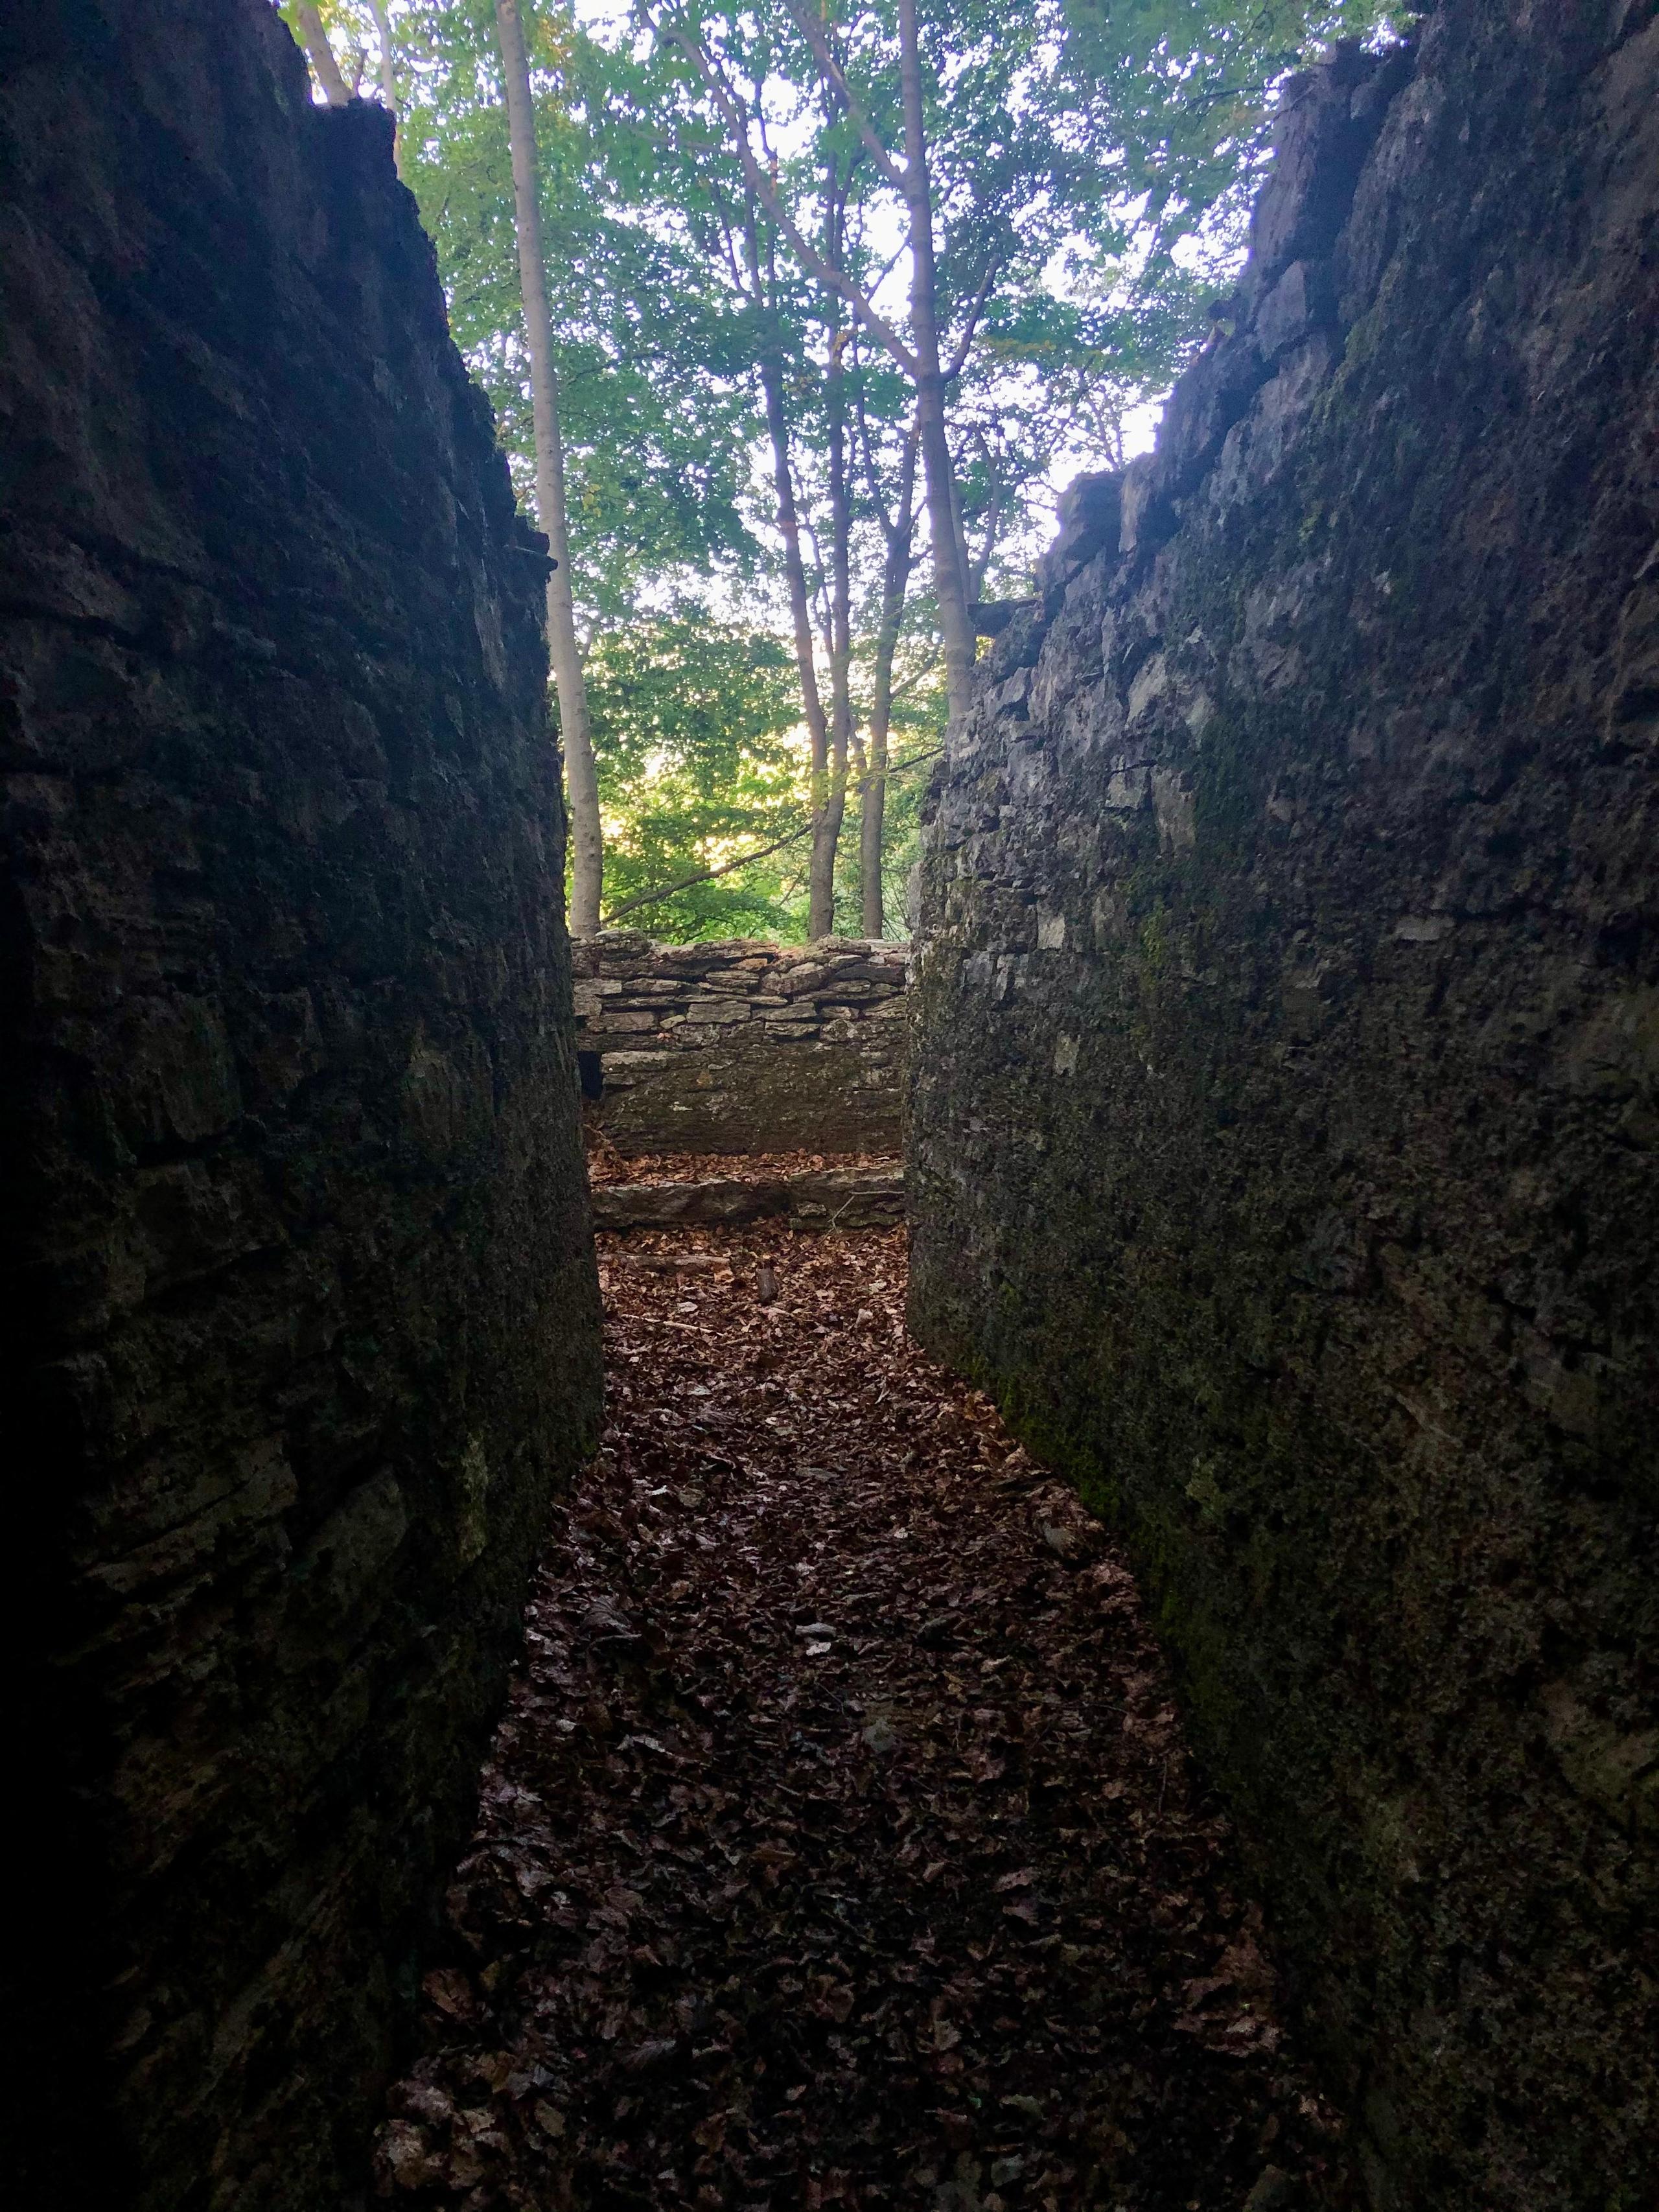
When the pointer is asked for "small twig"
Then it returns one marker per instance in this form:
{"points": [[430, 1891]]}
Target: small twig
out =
{"points": [[706, 875]]}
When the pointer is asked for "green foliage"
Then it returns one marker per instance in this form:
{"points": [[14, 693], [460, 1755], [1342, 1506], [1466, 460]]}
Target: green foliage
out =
{"points": [[1092, 163], [694, 727], [694, 732], [1177, 95]]}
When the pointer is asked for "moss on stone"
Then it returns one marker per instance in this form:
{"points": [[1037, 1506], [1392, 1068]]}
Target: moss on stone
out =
{"points": [[1320, 1258]]}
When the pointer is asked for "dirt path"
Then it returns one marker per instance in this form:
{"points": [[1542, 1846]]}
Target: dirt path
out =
{"points": [[839, 1847]]}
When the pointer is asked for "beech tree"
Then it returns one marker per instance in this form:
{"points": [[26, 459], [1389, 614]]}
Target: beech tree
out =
{"points": [[389, 79], [897, 520], [956, 123], [811, 383], [319, 53], [586, 837]]}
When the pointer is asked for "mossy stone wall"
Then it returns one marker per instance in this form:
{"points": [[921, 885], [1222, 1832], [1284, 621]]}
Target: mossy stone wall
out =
{"points": [[302, 1318], [1285, 1093]]}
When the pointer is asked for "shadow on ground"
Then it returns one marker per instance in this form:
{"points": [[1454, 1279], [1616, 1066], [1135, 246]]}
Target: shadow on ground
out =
{"points": [[840, 1846]]}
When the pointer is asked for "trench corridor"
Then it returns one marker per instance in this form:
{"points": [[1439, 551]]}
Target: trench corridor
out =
{"points": [[839, 1846]]}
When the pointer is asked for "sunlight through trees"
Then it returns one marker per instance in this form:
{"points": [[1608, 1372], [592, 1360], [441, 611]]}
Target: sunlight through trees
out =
{"points": [[833, 301]]}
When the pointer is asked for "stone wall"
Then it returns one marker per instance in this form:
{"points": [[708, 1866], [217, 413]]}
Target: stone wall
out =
{"points": [[743, 1046], [1286, 1088], [303, 1333]]}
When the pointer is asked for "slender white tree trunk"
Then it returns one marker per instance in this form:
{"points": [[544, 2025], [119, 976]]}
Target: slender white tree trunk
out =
{"points": [[950, 560], [821, 886], [321, 54], [819, 919], [894, 584], [587, 841], [388, 80]]}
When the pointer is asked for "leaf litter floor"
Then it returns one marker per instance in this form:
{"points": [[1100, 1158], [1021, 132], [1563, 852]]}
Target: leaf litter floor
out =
{"points": [[839, 1846]]}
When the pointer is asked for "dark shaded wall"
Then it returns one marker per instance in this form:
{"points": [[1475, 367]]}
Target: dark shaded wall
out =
{"points": [[1287, 1089], [303, 1326], [738, 1045]]}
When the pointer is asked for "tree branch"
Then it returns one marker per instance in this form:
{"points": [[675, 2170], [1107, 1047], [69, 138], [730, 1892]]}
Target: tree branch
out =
{"points": [[835, 77], [959, 358], [761, 852], [705, 876], [832, 279], [728, 240]]}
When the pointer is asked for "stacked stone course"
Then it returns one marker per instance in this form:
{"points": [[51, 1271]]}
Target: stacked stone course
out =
{"points": [[303, 1336], [1286, 1077], [743, 1046]]}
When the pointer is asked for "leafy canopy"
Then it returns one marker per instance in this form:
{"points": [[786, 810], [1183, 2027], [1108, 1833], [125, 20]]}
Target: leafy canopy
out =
{"points": [[1092, 165], [694, 731]]}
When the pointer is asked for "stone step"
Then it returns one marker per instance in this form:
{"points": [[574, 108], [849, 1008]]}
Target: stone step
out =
{"points": [[834, 1198]]}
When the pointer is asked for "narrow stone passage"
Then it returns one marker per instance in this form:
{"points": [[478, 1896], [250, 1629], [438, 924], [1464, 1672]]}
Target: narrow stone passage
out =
{"points": [[839, 1847]]}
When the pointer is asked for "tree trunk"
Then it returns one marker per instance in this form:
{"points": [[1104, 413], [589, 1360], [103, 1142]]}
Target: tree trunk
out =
{"points": [[588, 851], [388, 80], [858, 771], [894, 584], [993, 532], [950, 561], [794, 569], [827, 839], [321, 53]]}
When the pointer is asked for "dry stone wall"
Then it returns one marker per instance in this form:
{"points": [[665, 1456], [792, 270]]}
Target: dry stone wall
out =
{"points": [[741, 1046], [833, 1199], [301, 1332], [1286, 1088]]}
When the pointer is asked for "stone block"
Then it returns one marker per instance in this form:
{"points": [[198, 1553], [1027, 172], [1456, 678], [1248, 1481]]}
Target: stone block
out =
{"points": [[833, 1201], [1282, 1114], [304, 1339], [677, 1205], [768, 1055], [845, 1198]]}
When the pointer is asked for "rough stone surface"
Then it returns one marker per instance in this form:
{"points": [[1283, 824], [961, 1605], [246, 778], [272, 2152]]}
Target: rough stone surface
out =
{"points": [[839, 1198], [304, 1326], [743, 1046], [1287, 1089]]}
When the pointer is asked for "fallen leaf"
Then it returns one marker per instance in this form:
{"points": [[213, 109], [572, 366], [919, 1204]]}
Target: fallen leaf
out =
{"points": [[451, 1991], [760, 1933]]}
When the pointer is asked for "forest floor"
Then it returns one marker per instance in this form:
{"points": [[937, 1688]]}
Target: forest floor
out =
{"points": [[839, 1847]]}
